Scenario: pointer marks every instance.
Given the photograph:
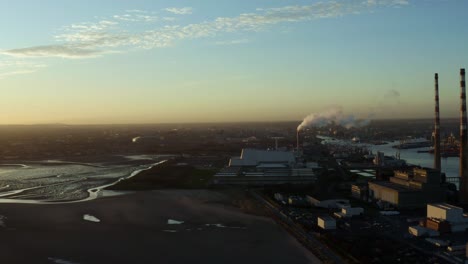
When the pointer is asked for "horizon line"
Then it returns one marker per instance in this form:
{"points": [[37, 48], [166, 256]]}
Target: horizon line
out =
{"points": [[205, 123]]}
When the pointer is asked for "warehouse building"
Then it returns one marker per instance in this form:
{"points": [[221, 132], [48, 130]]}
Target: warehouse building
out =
{"points": [[450, 215], [255, 157], [326, 222], [360, 191], [410, 189], [349, 212], [329, 203], [265, 167]]}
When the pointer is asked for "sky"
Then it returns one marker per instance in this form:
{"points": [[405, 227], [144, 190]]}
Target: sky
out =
{"points": [[145, 61]]}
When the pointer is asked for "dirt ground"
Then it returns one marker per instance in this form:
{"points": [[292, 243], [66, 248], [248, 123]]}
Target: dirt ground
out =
{"points": [[134, 228]]}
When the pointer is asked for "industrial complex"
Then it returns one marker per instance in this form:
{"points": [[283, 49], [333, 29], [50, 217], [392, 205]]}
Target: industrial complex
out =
{"points": [[266, 167], [348, 191], [410, 189]]}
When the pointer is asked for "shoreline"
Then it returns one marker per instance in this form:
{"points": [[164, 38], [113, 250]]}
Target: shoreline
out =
{"points": [[133, 229], [121, 214], [93, 193]]}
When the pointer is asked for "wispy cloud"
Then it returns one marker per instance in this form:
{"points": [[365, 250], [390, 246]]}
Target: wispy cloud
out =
{"points": [[136, 17], [180, 11], [135, 11], [232, 42], [169, 18], [10, 68], [61, 51], [395, 3], [117, 33]]}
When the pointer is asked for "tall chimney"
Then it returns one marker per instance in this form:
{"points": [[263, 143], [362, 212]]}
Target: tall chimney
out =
{"points": [[437, 165], [463, 141], [297, 138]]}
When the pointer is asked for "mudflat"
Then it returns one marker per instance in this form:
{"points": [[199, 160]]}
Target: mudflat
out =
{"points": [[145, 227]]}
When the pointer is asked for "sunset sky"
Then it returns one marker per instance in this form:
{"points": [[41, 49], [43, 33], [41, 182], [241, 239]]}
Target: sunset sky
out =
{"points": [[116, 61]]}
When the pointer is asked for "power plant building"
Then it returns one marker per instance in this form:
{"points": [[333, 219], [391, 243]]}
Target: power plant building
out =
{"points": [[254, 157], [410, 189], [453, 215], [265, 167]]}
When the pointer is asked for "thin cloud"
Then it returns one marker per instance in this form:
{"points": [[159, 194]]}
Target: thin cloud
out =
{"points": [[116, 34], [136, 17], [135, 11], [232, 42], [11, 68], [395, 3], [12, 73], [61, 51], [169, 18], [180, 11]]}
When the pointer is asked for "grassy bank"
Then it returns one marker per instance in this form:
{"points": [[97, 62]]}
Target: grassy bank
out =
{"points": [[168, 175]]}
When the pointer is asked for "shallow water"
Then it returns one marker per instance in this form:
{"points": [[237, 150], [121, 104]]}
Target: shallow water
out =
{"points": [[61, 181], [449, 165]]}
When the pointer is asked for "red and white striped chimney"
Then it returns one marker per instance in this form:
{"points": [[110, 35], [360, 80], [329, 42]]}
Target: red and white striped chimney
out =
{"points": [[437, 164], [463, 141]]}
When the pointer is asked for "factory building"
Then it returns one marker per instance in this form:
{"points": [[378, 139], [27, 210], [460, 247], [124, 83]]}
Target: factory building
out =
{"points": [[326, 222], [382, 160], [439, 225], [446, 212], [410, 189], [328, 203], [360, 191], [265, 167], [255, 157], [419, 231], [348, 212], [450, 215]]}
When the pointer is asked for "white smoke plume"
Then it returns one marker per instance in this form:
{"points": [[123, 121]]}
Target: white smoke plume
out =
{"points": [[332, 116]]}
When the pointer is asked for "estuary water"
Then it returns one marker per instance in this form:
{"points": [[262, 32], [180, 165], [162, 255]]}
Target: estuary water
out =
{"points": [[61, 181], [449, 164]]}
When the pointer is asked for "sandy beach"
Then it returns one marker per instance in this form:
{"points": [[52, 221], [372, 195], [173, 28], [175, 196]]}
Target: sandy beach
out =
{"points": [[134, 228]]}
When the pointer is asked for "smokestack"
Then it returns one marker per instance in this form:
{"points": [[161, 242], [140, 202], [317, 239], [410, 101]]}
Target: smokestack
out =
{"points": [[297, 138], [463, 141], [437, 165]]}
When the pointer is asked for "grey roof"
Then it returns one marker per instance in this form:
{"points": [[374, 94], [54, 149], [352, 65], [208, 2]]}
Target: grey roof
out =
{"points": [[253, 157]]}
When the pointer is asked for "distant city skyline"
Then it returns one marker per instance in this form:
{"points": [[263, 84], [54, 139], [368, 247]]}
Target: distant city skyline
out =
{"points": [[101, 62]]}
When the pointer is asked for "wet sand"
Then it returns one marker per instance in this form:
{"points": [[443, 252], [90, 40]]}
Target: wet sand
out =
{"points": [[134, 229]]}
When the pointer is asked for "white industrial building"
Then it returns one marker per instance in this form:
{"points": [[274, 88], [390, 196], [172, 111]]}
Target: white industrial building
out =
{"points": [[255, 157], [452, 214], [265, 167], [446, 212], [326, 222]]}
